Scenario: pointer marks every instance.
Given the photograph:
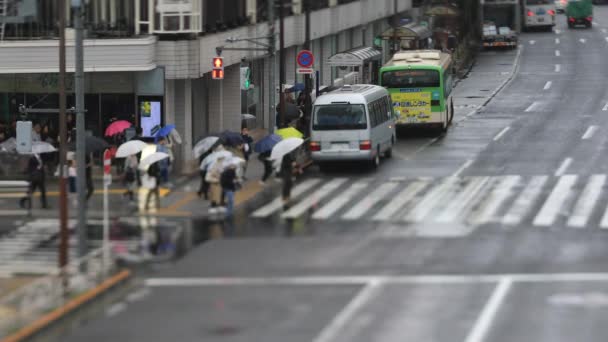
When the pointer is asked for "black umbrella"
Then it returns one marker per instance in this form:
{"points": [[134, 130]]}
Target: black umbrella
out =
{"points": [[292, 112], [92, 144], [229, 138]]}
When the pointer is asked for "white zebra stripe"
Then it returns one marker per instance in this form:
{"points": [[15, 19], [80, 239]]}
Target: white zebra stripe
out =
{"points": [[497, 197], [553, 205], [368, 202], [277, 204], [523, 204], [308, 202], [460, 206], [428, 203], [586, 202], [400, 200], [340, 201]]}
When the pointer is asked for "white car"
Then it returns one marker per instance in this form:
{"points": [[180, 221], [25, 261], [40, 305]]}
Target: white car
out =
{"points": [[560, 5]]}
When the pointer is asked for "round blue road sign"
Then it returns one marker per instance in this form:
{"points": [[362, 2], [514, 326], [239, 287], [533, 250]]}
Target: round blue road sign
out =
{"points": [[305, 59]]}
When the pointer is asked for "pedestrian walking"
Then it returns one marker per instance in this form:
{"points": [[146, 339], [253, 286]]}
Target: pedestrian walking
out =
{"points": [[289, 167], [264, 157], [213, 178], [165, 163], [36, 177], [130, 176], [151, 181], [228, 181], [89, 176], [247, 147], [203, 190], [72, 182]]}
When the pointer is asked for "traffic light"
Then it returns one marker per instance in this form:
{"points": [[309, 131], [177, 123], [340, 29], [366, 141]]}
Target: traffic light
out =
{"points": [[218, 68], [245, 78]]}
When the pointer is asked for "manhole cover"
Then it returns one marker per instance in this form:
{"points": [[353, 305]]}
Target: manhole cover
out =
{"points": [[225, 331]]}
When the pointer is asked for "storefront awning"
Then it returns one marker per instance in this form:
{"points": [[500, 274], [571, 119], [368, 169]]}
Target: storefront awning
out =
{"points": [[443, 10], [407, 32], [354, 57]]}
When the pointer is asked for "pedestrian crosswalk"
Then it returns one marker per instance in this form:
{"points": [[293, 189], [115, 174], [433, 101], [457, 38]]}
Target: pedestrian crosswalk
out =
{"points": [[511, 200]]}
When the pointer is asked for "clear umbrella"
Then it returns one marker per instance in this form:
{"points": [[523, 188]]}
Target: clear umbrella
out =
{"points": [[213, 157], [151, 159], [41, 147], [203, 146], [284, 147], [130, 148]]}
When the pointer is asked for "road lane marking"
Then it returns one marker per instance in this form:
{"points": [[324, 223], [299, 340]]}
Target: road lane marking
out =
{"points": [[339, 201], [315, 280], [605, 107], [115, 309], [313, 199], [586, 203], [532, 42], [563, 167], [548, 85], [277, 203], [430, 200], [497, 197], [463, 167], [558, 67], [523, 204], [399, 201], [604, 30], [502, 133], [558, 31], [333, 330], [369, 201], [589, 132], [532, 106], [461, 205], [485, 319], [606, 39], [557, 53], [553, 205], [582, 40], [557, 41]]}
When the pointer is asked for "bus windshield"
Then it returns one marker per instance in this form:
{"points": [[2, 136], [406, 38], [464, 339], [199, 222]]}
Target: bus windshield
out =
{"points": [[410, 79], [339, 117]]}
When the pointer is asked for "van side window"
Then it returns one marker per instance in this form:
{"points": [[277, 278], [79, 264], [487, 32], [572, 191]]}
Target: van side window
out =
{"points": [[372, 117]]}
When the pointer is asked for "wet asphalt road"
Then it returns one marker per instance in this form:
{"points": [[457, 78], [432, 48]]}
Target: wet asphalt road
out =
{"points": [[494, 232]]}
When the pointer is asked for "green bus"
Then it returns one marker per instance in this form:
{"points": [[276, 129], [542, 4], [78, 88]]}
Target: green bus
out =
{"points": [[420, 84]]}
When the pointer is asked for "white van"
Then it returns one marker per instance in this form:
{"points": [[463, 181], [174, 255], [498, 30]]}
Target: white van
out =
{"points": [[352, 123]]}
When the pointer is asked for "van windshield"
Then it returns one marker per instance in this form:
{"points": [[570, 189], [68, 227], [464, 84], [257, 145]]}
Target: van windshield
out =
{"points": [[339, 117]]}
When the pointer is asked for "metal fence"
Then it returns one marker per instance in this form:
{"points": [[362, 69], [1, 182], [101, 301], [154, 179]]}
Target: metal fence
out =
{"points": [[43, 295]]}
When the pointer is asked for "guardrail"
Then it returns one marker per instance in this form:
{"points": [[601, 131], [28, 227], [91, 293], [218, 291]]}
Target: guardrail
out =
{"points": [[32, 301]]}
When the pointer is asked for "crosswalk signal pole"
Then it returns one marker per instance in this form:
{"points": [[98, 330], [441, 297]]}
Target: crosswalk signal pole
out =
{"points": [[63, 208]]}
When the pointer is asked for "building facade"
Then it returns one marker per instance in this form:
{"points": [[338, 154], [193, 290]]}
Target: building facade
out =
{"points": [[139, 52]]}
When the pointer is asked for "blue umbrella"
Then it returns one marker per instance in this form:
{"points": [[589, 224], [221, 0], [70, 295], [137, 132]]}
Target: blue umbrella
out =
{"points": [[163, 132], [229, 138], [267, 143]]}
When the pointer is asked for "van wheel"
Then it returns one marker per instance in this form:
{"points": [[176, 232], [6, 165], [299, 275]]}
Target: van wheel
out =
{"points": [[389, 153], [376, 161]]}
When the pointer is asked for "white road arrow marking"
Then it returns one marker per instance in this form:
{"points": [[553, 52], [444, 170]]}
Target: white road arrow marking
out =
{"points": [[548, 85]]}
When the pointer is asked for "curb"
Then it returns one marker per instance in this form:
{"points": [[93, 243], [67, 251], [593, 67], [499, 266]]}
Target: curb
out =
{"points": [[74, 304]]}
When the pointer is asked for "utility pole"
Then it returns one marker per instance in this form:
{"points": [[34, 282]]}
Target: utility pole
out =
{"points": [[80, 130], [63, 207], [271, 73], [307, 77], [282, 72]]}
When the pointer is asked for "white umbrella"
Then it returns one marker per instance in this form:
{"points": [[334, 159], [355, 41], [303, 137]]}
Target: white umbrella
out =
{"points": [[213, 157], [233, 161], [175, 136], [151, 159], [40, 147], [248, 117], [203, 146], [284, 147], [130, 148]]}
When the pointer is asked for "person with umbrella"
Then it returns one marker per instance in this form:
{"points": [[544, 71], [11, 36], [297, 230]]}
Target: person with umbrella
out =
{"points": [[264, 148], [165, 163], [130, 176], [213, 178], [36, 177], [288, 168], [153, 185], [247, 146], [228, 181]]}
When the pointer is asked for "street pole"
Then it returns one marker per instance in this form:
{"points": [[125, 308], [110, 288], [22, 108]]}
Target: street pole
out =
{"points": [[63, 207], [271, 73], [282, 63], [307, 77], [80, 130]]}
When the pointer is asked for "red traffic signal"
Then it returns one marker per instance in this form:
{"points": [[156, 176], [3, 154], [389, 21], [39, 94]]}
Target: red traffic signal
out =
{"points": [[217, 74], [218, 62]]}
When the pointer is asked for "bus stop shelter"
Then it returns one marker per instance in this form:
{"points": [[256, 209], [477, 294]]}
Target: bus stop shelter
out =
{"points": [[407, 37], [365, 60]]}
